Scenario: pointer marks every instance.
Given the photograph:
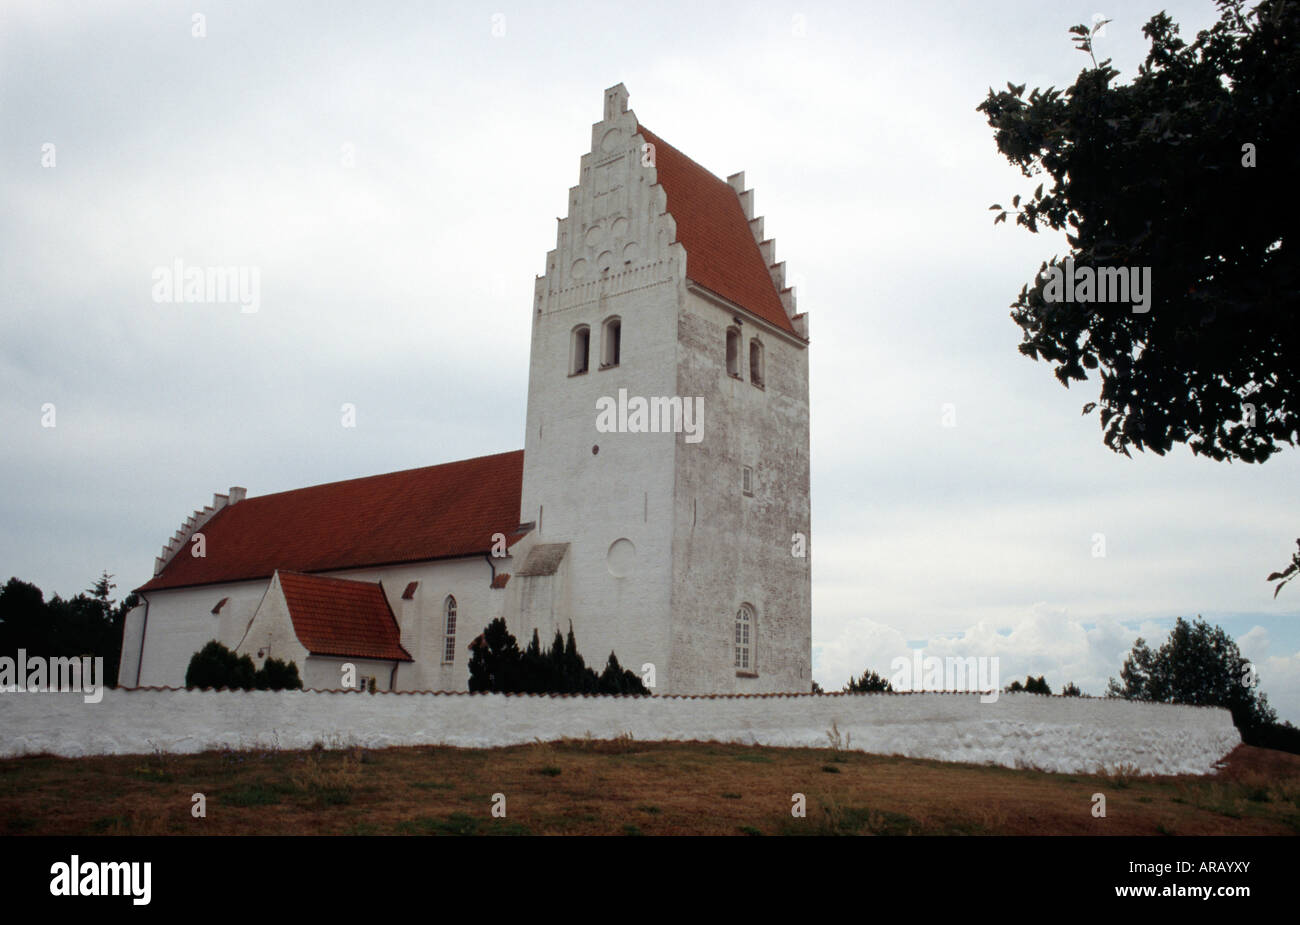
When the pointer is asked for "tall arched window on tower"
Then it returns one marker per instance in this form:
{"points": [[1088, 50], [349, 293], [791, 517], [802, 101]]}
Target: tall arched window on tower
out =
{"points": [[733, 352], [580, 351], [612, 332], [756, 371], [744, 647], [449, 630]]}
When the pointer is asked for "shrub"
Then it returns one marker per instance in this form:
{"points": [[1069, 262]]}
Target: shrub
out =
{"points": [[215, 666], [869, 683], [1032, 685], [616, 679], [498, 665], [275, 675], [1281, 736]]}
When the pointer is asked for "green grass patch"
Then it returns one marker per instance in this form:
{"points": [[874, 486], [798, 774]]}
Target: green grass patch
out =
{"points": [[253, 795]]}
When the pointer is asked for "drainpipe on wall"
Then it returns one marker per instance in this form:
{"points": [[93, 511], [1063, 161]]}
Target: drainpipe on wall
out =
{"points": [[492, 565], [392, 678], [144, 629]]}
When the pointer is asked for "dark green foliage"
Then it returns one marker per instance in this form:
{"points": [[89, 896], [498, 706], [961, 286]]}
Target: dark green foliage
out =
{"points": [[817, 688], [616, 679], [1198, 664], [89, 624], [1032, 685], [494, 664], [578, 678], [1152, 174], [869, 683], [535, 665], [214, 666], [498, 665], [1282, 736], [1288, 573], [275, 675], [1157, 173], [1071, 690]]}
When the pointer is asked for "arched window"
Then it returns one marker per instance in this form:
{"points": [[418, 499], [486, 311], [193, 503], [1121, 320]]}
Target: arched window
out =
{"points": [[756, 363], [610, 344], [580, 350], [449, 631], [733, 352], [745, 638]]}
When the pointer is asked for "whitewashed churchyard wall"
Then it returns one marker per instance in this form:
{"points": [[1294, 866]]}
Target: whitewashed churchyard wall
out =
{"points": [[1065, 734]]}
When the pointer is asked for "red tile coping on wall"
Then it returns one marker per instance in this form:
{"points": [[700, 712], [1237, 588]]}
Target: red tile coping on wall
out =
{"points": [[436, 512], [342, 617], [434, 693], [721, 253]]}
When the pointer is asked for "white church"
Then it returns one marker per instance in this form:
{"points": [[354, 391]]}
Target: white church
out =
{"points": [[660, 504]]}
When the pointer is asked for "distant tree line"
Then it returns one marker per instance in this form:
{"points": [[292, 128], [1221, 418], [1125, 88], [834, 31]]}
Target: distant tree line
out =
{"points": [[1198, 664], [88, 625], [1032, 685]]}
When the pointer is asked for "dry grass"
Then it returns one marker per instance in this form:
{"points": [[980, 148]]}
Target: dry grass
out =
{"points": [[589, 786]]}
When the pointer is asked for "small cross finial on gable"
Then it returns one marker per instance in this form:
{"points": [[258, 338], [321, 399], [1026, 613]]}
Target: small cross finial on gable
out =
{"points": [[615, 102]]}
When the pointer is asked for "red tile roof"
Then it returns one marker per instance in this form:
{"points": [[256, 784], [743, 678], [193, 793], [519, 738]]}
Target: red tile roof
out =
{"points": [[721, 253], [436, 512], [342, 617]]}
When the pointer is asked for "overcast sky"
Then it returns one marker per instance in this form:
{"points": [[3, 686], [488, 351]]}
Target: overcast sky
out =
{"points": [[402, 284]]}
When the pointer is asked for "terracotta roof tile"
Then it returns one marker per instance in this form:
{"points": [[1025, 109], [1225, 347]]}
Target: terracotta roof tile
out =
{"points": [[436, 512], [342, 617], [721, 253]]}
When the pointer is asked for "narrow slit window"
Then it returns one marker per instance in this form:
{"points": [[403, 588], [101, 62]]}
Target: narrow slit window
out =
{"points": [[581, 350], [733, 352], [756, 373], [611, 346]]}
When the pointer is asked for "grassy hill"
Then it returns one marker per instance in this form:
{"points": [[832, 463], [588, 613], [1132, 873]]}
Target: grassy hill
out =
{"points": [[628, 787]]}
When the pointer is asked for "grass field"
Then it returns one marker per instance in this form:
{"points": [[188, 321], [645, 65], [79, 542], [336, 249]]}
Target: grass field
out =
{"points": [[625, 787]]}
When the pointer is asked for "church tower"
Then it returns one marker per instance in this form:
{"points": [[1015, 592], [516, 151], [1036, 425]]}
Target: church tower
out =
{"points": [[666, 460]]}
